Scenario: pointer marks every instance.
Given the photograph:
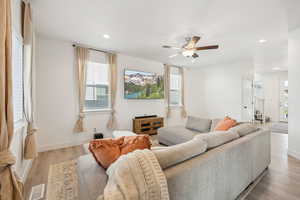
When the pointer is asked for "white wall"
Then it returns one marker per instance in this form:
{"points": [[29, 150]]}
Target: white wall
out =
{"points": [[294, 94], [57, 104], [22, 166], [220, 89], [213, 92]]}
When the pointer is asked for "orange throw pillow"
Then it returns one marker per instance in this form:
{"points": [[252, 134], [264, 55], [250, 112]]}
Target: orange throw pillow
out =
{"points": [[225, 124], [107, 151], [132, 143]]}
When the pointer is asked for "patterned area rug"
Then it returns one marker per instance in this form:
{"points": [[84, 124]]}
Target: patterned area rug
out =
{"points": [[63, 181]]}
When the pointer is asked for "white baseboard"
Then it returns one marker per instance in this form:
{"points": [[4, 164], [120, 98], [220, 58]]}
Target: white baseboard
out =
{"points": [[62, 145], [294, 154]]}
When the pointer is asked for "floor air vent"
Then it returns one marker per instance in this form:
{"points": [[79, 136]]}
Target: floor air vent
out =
{"points": [[37, 192]]}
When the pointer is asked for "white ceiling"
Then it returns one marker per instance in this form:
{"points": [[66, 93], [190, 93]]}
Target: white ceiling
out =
{"points": [[141, 27]]}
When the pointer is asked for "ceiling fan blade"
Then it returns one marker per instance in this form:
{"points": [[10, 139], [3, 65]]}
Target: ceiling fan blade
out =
{"points": [[195, 55], [174, 55], [170, 47], [206, 47], [191, 44]]}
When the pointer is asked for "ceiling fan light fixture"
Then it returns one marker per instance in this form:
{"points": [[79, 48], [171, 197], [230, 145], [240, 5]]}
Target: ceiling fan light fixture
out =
{"points": [[188, 53], [189, 49]]}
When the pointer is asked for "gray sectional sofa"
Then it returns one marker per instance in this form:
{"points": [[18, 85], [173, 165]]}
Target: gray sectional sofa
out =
{"points": [[218, 173], [209, 166], [203, 164]]}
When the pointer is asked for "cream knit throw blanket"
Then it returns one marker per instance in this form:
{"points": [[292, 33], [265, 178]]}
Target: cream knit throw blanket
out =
{"points": [[136, 176]]}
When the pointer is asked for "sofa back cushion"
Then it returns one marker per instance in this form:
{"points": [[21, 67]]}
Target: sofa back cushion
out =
{"points": [[218, 138], [171, 135], [244, 129], [172, 155], [198, 124]]}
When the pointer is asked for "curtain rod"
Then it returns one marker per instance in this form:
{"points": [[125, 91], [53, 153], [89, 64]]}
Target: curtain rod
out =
{"points": [[74, 45]]}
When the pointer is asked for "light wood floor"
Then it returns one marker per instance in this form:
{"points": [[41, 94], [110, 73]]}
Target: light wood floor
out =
{"points": [[282, 181], [40, 167]]}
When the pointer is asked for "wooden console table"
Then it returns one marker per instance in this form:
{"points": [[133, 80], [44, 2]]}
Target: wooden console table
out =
{"points": [[147, 125]]}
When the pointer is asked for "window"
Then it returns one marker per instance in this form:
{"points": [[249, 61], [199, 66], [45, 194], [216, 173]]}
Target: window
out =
{"points": [[175, 87], [97, 82], [17, 65]]}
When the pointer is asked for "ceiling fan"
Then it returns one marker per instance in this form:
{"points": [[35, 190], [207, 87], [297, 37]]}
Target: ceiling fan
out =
{"points": [[189, 49]]}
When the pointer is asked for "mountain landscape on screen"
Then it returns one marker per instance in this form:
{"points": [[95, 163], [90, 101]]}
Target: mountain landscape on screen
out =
{"points": [[143, 85]]}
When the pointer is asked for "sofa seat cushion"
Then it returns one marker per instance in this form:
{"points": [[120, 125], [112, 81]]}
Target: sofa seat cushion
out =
{"points": [[92, 177], [169, 156], [218, 138], [174, 135], [198, 124], [244, 129]]}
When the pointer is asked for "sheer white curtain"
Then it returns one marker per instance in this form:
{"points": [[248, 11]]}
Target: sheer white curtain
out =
{"points": [[81, 65], [178, 73], [112, 122], [167, 89], [183, 111], [11, 188], [30, 150]]}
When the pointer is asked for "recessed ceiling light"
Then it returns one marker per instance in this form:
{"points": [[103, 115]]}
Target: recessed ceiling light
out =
{"points": [[262, 41], [276, 68], [106, 36]]}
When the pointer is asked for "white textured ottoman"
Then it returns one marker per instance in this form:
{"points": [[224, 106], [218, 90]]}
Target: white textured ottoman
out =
{"points": [[120, 133]]}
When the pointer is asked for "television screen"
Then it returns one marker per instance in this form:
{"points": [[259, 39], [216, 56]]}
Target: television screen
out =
{"points": [[143, 85]]}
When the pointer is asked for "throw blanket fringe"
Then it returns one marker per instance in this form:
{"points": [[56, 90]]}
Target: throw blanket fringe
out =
{"points": [[136, 176]]}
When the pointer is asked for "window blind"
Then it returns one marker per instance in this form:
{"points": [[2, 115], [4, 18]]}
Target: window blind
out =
{"points": [[175, 87], [17, 64], [97, 82]]}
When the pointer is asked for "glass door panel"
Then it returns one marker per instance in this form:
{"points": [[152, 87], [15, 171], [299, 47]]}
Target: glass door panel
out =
{"points": [[283, 109]]}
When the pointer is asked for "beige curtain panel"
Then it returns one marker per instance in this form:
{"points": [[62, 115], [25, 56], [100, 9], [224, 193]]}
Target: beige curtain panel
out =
{"points": [[30, 150], [10, 186], [167, 89], [183, 111], [112, 122], [81, 64]]}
